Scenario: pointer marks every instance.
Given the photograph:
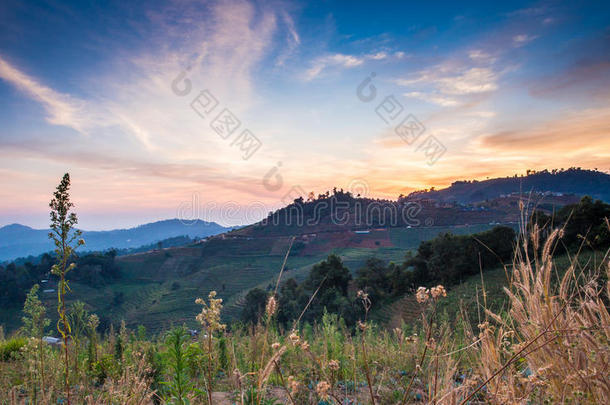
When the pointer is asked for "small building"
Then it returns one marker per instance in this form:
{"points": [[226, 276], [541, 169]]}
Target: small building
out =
{"points": [[52, 341]]}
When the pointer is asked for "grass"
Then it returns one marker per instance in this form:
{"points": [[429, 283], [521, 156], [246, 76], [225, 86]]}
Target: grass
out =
{"points": [[544, 340], [468, 295]]}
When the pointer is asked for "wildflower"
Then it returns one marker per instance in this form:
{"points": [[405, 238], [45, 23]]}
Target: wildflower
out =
{"points": [[362, 326], [294, 385], [271, 306], [438, 291], [294, 339], [508, 334], [275, 346], [322, 389], [209, 317], [536, 380], [486, 329], [422, 295], [333, 365], [305, 345], [362, 295], [237, 377], [399, 334], [93, 322]]}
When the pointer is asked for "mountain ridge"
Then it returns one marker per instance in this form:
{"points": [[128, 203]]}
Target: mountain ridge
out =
{"points": [[17, 240], [573, 180]]}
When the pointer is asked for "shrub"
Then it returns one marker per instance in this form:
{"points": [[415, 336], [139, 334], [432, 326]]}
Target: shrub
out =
{"points": [[9, 348]]}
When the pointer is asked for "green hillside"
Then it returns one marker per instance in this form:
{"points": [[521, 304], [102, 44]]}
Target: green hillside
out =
{"points": [[158, 288], [468, 295]]}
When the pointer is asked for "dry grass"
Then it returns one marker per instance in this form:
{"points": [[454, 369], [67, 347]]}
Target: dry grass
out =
{"points": [[554, 344]]}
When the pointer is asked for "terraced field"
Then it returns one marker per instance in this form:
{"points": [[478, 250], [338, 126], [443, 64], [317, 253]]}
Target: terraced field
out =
{"points": [[158, 288]]}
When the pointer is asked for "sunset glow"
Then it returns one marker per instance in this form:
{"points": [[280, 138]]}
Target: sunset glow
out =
{"points": [[97, 91]]}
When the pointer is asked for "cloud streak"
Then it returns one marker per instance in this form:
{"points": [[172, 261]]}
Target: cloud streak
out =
{"points": [[61, 109]]}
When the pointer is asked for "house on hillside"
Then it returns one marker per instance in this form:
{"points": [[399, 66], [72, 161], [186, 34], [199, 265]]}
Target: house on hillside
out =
{"points": [[52, 341]]}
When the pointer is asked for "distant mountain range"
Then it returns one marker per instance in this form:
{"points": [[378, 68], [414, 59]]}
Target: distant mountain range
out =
{"points": [[571, 181], [18, 240]]}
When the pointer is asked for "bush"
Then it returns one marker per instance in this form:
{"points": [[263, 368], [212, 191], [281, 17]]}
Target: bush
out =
{"points": [[11, 347]]}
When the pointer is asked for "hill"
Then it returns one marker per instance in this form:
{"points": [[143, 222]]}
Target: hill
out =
{"points": [[18, 240], [158, 287], [571, 181]]}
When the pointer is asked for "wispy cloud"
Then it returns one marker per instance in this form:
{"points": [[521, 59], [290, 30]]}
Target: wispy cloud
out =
{"points": [[334, 60], [378, 56], [293, 39], [449, 80], [62, 109], [433, 98], [222, 44], [523, 39], [481, 56], [347, 61], [584, 132]]}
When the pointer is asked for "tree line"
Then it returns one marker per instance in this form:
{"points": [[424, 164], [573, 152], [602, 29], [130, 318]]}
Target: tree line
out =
{"points": [[94, 269], [447, 259]]}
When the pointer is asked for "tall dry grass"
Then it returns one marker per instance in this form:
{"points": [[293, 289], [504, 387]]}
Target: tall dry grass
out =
{"points": [[554, 343]]}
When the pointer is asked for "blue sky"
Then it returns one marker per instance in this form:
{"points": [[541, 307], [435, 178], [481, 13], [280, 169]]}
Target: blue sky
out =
{"points": [[87, 88]]}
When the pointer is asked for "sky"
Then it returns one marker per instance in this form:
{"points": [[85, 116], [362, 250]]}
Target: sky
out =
{"points": [[225, 110]]}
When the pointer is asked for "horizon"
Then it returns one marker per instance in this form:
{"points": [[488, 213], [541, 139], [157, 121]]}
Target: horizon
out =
{"points": [[154, 107], [232, 215]]}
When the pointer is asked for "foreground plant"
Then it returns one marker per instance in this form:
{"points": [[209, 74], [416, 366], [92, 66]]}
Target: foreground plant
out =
{"points": [[425, 296], [34, 324], [179, 387], [366, 303], [66, 240], [555, 345], [209, 318]]}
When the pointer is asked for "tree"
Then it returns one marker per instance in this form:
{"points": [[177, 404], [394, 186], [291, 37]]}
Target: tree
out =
{"points": [[332, 278], [585, 220], [66, 240], [256, 299], [332, 272], [374, 277]]}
